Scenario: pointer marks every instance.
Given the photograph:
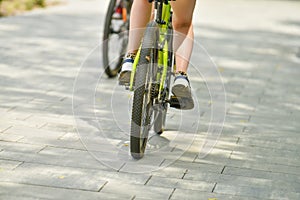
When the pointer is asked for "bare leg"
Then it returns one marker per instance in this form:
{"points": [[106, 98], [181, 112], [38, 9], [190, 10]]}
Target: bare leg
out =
{"points": [[182, 23], [140, 15]]}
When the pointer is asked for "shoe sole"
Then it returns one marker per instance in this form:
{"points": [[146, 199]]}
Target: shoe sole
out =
{"points": [[125, 79], [182, 98]]}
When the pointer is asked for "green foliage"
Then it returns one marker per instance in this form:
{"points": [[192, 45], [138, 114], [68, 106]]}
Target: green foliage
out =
{"points": [[11, 7], [41, 3]]}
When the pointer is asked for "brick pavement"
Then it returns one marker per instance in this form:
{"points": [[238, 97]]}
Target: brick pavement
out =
{"points": [[255, 46]]}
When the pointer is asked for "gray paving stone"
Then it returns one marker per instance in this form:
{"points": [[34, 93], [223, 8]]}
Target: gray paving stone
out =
{"points": [[274, 145], [199, 166], [15, 115], [202, 175], [12, 191], [255, 192], [180, 183], [140, 191], [265, 174], [41, 137], [9, 164], [277, 168], [51, 119], [272, 156], [4, 127], [54, 176], [267, 184], [30, 132], [198, 195], [10, 137], [170, 171], [215, 156], [276, 136], [251, 178], [20, 147], [60, 157], [12, 122]]}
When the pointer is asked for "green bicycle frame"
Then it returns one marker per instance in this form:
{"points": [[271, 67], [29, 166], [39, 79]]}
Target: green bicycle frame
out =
{"points": [[163, 54]]}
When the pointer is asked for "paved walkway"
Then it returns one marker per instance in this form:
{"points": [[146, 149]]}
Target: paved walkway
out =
{"points": [[256, 47]]}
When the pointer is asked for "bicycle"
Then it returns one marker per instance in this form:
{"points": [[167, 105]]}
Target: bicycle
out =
{"points": [[150, 79], [116, 25]]}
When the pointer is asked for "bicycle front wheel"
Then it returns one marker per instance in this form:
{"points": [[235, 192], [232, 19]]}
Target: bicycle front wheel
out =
{"points": [[142, 107]]}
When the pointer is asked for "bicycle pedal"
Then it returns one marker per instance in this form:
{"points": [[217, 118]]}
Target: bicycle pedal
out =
{"points": [[127, 87], [174, 102], [181, 103]]}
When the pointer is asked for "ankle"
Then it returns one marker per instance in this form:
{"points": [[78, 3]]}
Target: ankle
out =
{"points": [[131, 55], [181, 78], [180, 73]]}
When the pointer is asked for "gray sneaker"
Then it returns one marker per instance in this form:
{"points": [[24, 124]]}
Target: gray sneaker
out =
{"points": [[182, 95]]}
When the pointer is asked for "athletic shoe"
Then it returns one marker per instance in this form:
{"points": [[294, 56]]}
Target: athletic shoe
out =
{"points": [[124, 77], [182, 92]]}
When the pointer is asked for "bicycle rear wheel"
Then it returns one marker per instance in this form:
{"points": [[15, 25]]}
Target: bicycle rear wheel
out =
{"points": [[145, 81], [115, 37], [160, 114]]}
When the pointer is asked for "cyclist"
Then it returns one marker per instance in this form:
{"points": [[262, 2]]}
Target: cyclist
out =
{"points": [[183, 43]]}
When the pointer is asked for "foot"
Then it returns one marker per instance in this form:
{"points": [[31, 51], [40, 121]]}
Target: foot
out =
{"points": [[182, 94], [124, 77]]}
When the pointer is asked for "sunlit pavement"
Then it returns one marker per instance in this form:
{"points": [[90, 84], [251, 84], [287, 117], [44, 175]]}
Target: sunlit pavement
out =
{"points": [[51, 122]]}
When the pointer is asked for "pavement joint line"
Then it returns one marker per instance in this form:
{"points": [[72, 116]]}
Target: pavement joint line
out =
{"points": [[213, 189], [47, 186], [21, 163], [148, 179], [121, 167], [63, 98], [44, 147], [186, 171], [134, 196], [18, 141], [244, 129], [231, 154], [195, 159], [249, 118], [238, 139], [162, 162], [101, 188], [171, 194], [4, 130], [173, 148], [29, 116], [223, 169], [11, 109], [202, 113], [43, 125]]}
